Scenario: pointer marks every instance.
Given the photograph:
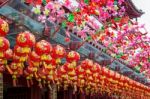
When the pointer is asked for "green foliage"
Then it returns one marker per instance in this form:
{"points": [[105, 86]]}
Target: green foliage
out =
{"points": [[86, 1], [63, 25], [71, 17]]}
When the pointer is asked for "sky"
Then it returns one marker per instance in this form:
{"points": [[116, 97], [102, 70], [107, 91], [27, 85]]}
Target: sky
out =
{"points": [[144, 5]]}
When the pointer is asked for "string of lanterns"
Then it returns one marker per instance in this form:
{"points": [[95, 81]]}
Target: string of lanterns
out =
{"points": [[119, 34], [42, 61]]}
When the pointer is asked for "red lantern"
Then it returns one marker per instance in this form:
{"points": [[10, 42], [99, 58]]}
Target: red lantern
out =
{"points": [[20, 51], [25, 39], [48, 59], [58, 52], [73, 56], [95, 68], [28, 72], [30, 69], [4, 27], [80, 71], [15, 70], [87, 64], [8, 54], [117, 76], [4, 44], [105, 71], [34, 56], [43, 47], [19, 59]]}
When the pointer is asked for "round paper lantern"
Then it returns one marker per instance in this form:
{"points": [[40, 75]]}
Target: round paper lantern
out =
{"points": [[4, 27], [80, 71], [117, 76], [58, 52], [87, 64], [29, 69], [4, 44], [95, 68], [105, 71], [18, 59], [8, 54], [25, 39], [20, 51], [34, 56], [48, 59], [16, 71], [72, 56], [43, 47]]}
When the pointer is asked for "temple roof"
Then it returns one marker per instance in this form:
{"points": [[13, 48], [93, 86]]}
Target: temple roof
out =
{"points": [[132, 10]]}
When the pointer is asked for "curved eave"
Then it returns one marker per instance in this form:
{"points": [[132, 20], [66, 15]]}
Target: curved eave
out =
{"points": [[132, 10]]}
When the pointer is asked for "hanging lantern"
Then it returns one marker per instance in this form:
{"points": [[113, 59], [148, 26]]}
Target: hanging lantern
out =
{"points": [[80, 71], [62, 76], [50, 71], [25, 39], [105, 71], [43, 47], [48, 59], [28, 72], [15, 69], [95, 68], [4, 44], [72, 56], [8, 54], [34, 60], [58, 53], [3, 61], [20, 51], [19, 59], [4, 27], [87, 64], [34, 56]]}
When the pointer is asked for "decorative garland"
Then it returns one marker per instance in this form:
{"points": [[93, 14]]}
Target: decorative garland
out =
{"points": [[42, 61]]}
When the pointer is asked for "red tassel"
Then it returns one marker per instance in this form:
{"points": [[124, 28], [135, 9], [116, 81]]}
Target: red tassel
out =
{"points": [[49, 86], [31, 81], [28, 83], [14, 83], [40, 85], [9, 70]]}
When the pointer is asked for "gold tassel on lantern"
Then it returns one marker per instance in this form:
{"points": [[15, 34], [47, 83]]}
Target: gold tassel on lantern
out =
{"points": [[1, 54], [28, 83], [44, 57], [23, 59], [26, 50], [58, 61]]}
